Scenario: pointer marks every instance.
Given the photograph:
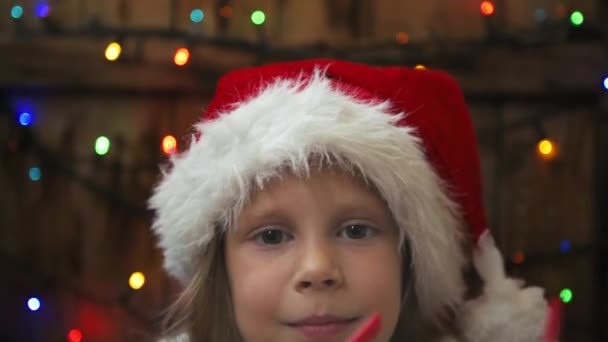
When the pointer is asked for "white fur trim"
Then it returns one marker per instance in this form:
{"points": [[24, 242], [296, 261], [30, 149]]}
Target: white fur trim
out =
{"points": [[283, 126], [506, 312]]}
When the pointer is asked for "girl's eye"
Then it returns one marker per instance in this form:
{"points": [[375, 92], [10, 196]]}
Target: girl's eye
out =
{"points": [[356, 231], [271, 237]]}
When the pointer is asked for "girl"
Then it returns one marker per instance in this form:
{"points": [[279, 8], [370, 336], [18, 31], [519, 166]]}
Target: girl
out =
{"points": [[316, 193]]}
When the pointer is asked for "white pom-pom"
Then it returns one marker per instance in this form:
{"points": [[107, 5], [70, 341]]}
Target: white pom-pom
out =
{"points": [[505, 312]]}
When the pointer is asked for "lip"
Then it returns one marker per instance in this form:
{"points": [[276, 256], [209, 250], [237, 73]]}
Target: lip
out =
{"points": [[322, 326]]}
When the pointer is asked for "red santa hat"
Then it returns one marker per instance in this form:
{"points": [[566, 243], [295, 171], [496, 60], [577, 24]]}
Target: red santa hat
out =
{"points": [[406, 131]]}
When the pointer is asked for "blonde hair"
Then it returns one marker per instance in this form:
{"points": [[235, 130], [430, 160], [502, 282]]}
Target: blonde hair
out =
{"points": [[204, 309]]}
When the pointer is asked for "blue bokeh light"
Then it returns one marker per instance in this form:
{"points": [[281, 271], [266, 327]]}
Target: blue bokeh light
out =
{"points": [[17, 12], [565, 246], [35, 174], [25, 111], [33, 304], [43, 9], [25, 119], [197, 15]]}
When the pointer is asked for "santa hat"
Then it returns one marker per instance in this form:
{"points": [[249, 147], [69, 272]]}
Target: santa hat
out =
{"points": [[407, 131]]}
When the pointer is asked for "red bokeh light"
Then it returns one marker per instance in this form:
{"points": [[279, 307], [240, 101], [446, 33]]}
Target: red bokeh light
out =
{"points": [[74, 335], [487, 8]]}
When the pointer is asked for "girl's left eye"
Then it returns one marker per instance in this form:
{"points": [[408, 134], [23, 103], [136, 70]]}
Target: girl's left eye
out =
{"points": [[356, 231], [271, 237]]}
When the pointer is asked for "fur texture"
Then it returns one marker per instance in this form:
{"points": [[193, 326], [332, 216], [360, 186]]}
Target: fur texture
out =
{"points": [[281, 129], [506, 312]]}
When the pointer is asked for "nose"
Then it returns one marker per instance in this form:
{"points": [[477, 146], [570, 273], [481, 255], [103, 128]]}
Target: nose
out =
{"points": [[318, 269]]}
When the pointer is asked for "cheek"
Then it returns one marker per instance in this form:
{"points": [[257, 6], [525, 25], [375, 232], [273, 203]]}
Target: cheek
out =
{"points": [[256, 288], [376, 281]]}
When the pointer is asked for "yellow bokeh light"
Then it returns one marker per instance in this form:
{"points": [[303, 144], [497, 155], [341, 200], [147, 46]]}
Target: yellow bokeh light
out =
{"points": [[182, 55], [169, 144], [113, 51], [420, 67], [545, 147], [137, 280]]}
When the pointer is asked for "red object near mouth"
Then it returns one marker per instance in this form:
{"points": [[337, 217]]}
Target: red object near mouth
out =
{"points": [[369, 329]]}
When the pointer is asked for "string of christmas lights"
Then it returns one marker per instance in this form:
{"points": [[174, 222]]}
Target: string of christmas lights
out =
{"points": [[560, 17]]}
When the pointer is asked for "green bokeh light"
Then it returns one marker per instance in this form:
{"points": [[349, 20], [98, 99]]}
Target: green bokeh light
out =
{"points": [[102, 145], [258, 17], [577, 18], [566, 295]]}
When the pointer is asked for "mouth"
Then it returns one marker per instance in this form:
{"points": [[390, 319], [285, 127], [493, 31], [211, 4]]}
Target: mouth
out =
{"points": [[322, 326]]}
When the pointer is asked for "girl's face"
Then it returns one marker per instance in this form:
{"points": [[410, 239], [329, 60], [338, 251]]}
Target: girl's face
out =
{"points": [[311, 259]]}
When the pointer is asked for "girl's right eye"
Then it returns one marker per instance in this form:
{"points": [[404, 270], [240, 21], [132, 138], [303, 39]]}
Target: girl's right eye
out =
{"points": [[271, 237]]}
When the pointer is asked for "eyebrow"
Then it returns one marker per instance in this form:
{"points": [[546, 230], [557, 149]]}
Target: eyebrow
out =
{"points": [[266, 213], [280, 214], [258, 213]]}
